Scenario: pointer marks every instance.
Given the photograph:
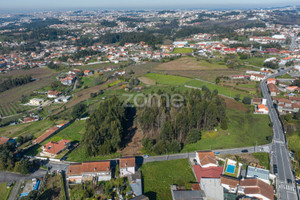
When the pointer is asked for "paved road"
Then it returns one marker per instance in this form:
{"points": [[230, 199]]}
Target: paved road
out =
{"points": [[14, 192], [280, 156], [6, 177], [293, 43]]}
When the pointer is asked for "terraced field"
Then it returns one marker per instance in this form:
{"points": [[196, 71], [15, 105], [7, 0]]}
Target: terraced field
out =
{"points": [[12, 108]]}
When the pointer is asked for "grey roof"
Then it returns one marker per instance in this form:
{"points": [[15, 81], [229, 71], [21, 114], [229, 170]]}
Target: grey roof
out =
{"points": [[188, 195], [141, 197], [212, 188], [258, 173]]}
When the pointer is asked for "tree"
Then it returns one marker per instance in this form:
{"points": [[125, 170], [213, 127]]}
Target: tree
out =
{"points": [[78, 110], [193, 136], [224, 124], [237, 97], [247, 100], [218, 79], [117, 172]]}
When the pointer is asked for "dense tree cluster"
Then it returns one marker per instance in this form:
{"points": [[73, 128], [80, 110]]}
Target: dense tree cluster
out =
{"points": [[14, 82], [9, 161], [109, 23], [106, 128], [169, 127]]}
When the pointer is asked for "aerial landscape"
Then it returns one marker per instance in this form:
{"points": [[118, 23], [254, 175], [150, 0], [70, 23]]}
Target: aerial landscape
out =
{"points": [[158, 100]]}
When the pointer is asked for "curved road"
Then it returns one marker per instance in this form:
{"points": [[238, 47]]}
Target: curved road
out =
{"points": [[280, 157]]}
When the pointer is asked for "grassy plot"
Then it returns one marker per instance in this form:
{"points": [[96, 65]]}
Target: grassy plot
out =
{"points": [[183, 50], [159, 176], [4, 192], [244, 129], [79, 155], [221, 89], [263, 159], [34, 128], [167, 79], [73, 132]]}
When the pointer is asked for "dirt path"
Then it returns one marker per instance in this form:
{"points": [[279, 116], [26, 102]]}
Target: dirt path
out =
{"points": [[134, 147]]}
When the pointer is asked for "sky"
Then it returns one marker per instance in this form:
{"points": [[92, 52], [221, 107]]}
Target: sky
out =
{"points": [[141, 4]]}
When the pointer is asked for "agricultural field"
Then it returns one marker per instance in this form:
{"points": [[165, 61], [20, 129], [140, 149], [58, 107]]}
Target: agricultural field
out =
{"points": [[34, 128], [191, 67], [12, 108], [167, 79], [43, 77], [240, 132], [159, 176], [183, 50]]}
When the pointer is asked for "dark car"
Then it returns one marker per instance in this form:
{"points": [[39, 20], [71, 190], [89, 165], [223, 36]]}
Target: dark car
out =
{"points": [[244, 151], [275, 169], [289, 181]]}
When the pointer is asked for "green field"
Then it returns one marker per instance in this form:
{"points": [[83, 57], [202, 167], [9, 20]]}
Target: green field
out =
{"points": [[73, 132], [78, 155], [221, 89], [244, 129], [183, 50], [4, 192], [167, 79], [159, 176], [263, 159], [34, 128]]}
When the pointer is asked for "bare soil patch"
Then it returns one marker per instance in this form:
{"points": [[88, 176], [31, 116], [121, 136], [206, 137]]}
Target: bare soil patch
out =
{"points": [[146, 81], [232, 104], [134, 146]]}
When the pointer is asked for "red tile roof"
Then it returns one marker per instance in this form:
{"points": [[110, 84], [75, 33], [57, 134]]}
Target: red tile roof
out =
{"points": [[257, 187], [79, 168], [209, 172], [55, 147], [127, 162], [3, 140], [206, 157], [43, 137]]}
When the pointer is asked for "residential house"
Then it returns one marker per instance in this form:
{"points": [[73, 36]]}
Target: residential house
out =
{"points": [[4, 140], [53, 94], [255, 172], [127, 166], [51, 149], [229, 51], [88, 72], [179, 193], [294, 99], [293, 88], [207, 172], [286, 105], [261, 109], [283, 61], [256, 101], [68, 80], [229, 183], [62, 99], [271, 80], [274, 91], [36, 102], [206, 159], [212, 188], [89, 171], [256, 188], [30, 119], [257, 77]]}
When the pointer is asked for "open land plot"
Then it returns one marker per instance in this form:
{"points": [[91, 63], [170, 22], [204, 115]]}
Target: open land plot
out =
{"points": [[188, 63], [15, 94], [183, 50], [4, 192], [53, 188], [159, 176], [34, 128], [244, 129]]}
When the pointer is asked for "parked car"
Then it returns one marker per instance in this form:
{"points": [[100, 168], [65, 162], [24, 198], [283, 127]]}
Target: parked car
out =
{"points": [[146, 156], [195, 162], [10, 184], [289, 181], [244, 151], [275, 169], [217, 153]]}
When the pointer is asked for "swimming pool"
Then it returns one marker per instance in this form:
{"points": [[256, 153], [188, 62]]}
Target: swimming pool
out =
{"points": [[230, 169]]}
